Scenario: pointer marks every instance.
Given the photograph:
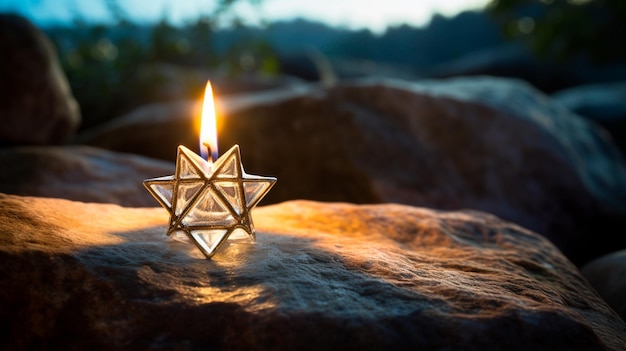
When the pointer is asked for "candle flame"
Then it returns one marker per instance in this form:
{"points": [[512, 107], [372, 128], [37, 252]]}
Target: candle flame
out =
{"points": [[208, 126]]}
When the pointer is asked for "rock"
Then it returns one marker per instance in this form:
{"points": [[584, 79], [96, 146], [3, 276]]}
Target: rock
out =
{"points": [[510, 61], [321, 276], [352, 68], [607, 275], [36, 104], [310, 65], [516, 61], [604, 104], [79, 173], [164, 126], [172, 82], [494, 145]]}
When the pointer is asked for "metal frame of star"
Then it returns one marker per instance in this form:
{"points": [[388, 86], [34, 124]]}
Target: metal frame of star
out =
{"points": [[209, 201]]}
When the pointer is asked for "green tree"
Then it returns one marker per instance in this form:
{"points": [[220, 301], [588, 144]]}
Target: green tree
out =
{"points": [[563, 29], [110, 67]]}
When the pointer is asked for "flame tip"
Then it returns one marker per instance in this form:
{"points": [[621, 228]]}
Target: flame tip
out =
{"points": [[208, 129]]}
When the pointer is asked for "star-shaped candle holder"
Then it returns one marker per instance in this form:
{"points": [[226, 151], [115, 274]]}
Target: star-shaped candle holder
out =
{"points": [[208, 201]]}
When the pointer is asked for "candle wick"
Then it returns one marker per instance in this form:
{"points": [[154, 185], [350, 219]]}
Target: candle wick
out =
{"points": [[209, 152]]}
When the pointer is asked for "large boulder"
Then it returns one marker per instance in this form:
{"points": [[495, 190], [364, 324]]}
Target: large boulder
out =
{"points": [[79, 173], [320, 277], [511, 61], [170, 82], [163, 127], [604, 104], [607, 274], [36, 104], [489, 144], [515, 60]]}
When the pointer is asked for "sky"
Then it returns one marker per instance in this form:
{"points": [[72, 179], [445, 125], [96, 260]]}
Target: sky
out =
{"points": [[376, 15]]}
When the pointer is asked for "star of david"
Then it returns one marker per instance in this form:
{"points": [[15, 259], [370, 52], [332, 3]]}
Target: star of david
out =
{"points": [[210, 202]]}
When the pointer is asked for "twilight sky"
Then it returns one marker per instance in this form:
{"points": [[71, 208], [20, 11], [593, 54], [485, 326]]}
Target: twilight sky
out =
{"points": [[376, 15]]}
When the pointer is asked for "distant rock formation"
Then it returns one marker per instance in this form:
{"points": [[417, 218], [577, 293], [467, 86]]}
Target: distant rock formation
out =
{"points": [[79, 173], [607, 275], [603, 103], [36, 104]]}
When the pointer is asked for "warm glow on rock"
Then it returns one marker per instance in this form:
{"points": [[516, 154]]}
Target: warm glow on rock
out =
{"points": [[208, 126]]}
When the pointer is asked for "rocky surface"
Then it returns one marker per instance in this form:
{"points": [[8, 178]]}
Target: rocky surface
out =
{"points": [[512, 61], [515, 60], [163, 127], [79, 173], [605, 104], [36, 104], [607, 275], [321, 276], [175, 82], [488, 144]]}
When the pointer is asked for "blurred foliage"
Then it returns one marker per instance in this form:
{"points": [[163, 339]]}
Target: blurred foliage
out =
{"points": [[113, 68], [444, 39], [566, 29], [116, 67]]}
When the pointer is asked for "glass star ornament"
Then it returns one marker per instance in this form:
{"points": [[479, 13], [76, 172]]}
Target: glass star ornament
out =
{"points": [[210, 202]]}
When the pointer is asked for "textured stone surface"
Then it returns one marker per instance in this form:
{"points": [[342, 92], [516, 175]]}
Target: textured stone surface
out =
{"points": [[163, 127], [607, 275], [605, 104], [513, 61], [321, 276], [488, 144], [174, 82], [600, 102], [79, 173], [36, 104]]}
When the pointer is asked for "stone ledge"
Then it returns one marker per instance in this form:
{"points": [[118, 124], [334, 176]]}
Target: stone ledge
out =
{"points": [[322, 275]]}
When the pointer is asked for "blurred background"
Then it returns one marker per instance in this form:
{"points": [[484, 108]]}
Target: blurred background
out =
{"points": [[122, 54]]}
